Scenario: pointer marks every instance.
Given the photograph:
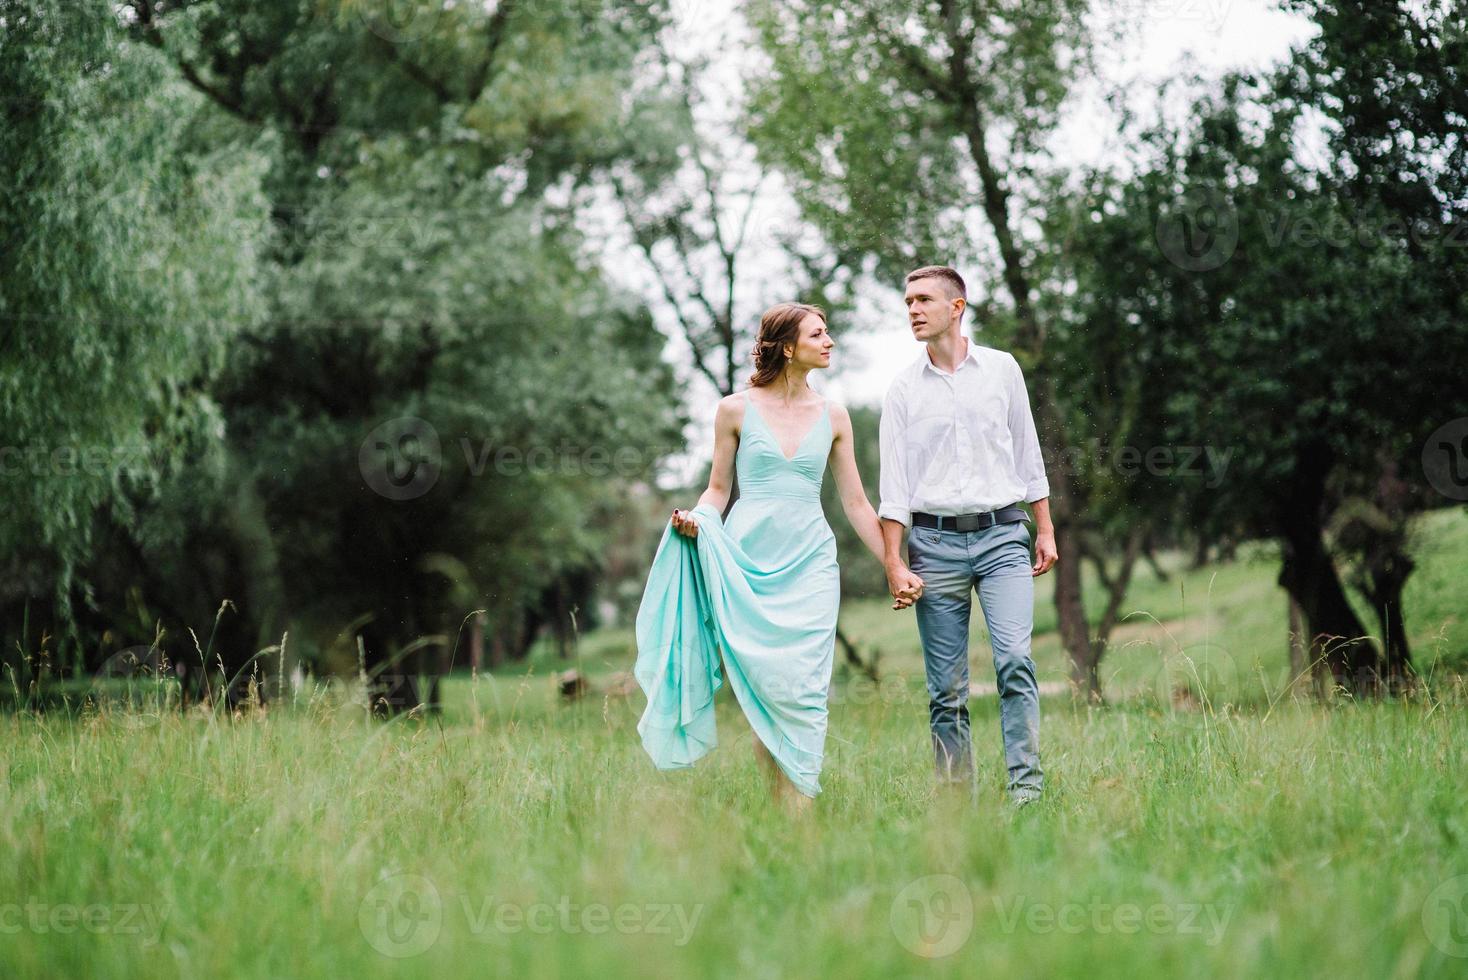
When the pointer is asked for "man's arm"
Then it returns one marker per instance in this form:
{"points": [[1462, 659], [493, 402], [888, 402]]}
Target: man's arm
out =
{"points": [[1028, 461], [1030, 465], [1045, 553], [895, 512]]}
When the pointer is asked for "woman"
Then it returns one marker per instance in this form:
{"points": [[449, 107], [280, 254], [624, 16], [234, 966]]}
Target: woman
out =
{"points": [[762, 588]]}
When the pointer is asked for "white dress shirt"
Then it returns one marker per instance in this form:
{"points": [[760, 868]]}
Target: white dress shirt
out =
{"points": [[961, 442]]}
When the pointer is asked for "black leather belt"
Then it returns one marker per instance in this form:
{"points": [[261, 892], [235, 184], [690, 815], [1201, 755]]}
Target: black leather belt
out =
{"points": [[970, 522]]}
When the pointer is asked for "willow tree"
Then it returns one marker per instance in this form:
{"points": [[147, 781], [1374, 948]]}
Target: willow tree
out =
{"points": [[131, 258]]}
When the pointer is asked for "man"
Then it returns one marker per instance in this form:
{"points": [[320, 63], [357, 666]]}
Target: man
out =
{"points": [[959, 451]]}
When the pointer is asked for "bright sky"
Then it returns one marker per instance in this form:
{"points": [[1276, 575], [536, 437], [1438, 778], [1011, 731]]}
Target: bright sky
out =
{"points": [[1159, 39]]}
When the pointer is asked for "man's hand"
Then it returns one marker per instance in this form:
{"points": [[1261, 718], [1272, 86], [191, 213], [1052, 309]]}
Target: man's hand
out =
{"points": [[1045, 553], [905, 586]]}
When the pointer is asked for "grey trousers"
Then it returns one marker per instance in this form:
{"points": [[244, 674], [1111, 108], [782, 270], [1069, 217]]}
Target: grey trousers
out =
{"points": [[951, 563]]}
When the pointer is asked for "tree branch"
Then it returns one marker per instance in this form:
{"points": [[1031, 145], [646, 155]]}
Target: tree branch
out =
{"points": [[645, 245], [495, 37]]}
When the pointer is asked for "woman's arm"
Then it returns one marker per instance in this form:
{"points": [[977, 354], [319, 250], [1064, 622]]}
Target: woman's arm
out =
{"points": [[904, 585], [721, 474]]}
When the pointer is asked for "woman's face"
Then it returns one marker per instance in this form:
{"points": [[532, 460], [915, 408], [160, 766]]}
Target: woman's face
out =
{"points": [[813, 349]]}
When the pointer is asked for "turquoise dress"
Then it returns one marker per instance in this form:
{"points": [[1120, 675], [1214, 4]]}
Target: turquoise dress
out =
{"points": [[763, 588]]}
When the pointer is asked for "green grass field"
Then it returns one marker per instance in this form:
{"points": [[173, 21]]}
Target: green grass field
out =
{"points": [[1238, 833]]}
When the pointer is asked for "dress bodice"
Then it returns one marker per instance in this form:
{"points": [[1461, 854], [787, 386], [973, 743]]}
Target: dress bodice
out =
{"points": [[764, 470]]}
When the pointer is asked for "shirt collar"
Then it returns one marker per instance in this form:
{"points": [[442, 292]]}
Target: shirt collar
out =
{"points": [[969, 355]]}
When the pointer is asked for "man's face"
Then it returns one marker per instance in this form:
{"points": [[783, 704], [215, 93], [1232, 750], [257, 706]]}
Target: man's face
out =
{"points": [[931, 308]]}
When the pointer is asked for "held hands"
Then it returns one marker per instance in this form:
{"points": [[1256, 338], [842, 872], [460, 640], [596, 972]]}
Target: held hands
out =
{"points": [[684, 523], [905, 586]]}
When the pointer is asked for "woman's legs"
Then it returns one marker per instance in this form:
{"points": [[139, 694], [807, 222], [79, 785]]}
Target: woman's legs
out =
{"points": [[782, 790]]}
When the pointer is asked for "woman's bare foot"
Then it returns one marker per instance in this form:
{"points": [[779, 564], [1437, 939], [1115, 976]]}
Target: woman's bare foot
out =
{"points": [[797, 803], [774, 778]]}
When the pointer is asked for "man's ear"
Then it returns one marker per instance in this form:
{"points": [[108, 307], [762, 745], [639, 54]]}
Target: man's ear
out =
{"points": [[959, 305]]}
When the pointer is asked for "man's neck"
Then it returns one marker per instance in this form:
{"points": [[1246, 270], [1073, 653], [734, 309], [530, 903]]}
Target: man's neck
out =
{"points": [[946, 352]]}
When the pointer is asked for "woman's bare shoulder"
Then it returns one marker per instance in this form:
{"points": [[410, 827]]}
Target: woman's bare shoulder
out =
{"points": [[731, 403], [730, 410]]}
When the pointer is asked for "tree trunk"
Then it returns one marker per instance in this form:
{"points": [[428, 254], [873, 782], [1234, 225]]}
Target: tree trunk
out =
{"points": [[1387, 580], [1149, 552], [1115, 595], [1337, 640], [1070, 611], [1298, 663], [476, 643]]}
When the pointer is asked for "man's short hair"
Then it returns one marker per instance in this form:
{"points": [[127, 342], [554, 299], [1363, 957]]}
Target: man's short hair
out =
{"points": [[950, 278]]}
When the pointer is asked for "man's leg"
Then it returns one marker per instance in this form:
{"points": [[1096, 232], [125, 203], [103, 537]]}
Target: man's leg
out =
{"points": [[940, 559], [1007, 596]]}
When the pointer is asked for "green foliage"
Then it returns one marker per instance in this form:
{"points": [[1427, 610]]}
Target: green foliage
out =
{"points": [[877, 158], [282, 226], [131, 264], [1309, 339]]}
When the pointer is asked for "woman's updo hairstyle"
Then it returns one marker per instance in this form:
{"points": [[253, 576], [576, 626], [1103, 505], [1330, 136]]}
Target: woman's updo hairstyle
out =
{"points": [[779, 327]]}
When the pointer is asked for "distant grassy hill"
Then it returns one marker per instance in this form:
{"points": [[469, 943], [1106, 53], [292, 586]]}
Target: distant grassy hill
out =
{"points": [[1227, 620]]}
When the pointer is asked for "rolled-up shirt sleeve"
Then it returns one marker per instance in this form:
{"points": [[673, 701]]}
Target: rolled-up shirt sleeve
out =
{"points": [[1028, 461], [892, 482]]}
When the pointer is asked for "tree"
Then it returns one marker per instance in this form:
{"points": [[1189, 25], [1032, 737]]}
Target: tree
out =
{"points": [[888, 118], [417, 272], [132, 262], [1390, 78], [1271, 322]]}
